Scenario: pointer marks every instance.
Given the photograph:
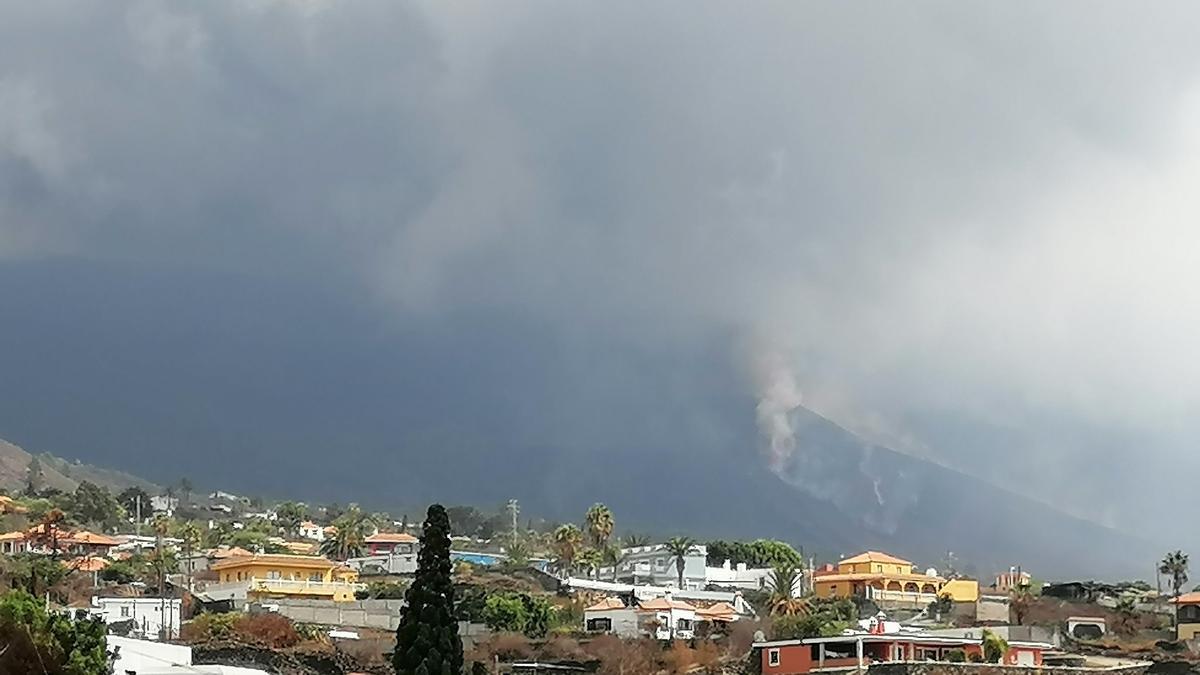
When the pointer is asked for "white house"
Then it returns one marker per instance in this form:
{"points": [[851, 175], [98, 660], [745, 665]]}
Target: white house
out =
{"points": [[150, 616], [142, 657], [311, 530], [660, 618], [655, 566], [743, 577], [164, 504]]}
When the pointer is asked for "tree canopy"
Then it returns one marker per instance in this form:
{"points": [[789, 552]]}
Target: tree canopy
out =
{"points": [[427, 640], [760, 553], [38, 643]]}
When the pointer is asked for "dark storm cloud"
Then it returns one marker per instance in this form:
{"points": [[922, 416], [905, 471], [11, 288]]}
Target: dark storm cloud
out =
{"points": [[929, 212]]}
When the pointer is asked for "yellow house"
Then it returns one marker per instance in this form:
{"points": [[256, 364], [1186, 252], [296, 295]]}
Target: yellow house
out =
{"points": [[1187, 615], [283, 576], [886, 577]]}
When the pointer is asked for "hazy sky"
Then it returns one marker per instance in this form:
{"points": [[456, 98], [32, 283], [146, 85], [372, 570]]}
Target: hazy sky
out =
{"points": [[966, 229]]}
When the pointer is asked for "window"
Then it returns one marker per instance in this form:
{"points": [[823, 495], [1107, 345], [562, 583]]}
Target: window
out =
{"points": [[772, 657], [124, 612], [315, 576], [274, 574], [602, 625], [683, 624]]}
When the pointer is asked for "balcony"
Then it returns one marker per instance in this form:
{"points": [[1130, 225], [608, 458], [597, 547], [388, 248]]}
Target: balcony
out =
{"points": [[303, 587]]}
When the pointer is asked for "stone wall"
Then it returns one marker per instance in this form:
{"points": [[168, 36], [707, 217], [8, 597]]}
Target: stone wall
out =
{"points": [[943, 668]]}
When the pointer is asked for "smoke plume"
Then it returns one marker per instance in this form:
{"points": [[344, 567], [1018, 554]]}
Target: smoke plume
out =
{"points": [[778, 395]]}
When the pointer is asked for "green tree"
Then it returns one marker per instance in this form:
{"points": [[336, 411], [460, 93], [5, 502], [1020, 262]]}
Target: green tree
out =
{"points": [[590, 559], [633, 540], [505, 612], [994, 647], [37, 643], [128, 499], [190, 536], [1175, 566], [680, 548], [782, 585], [600, 524], [349, 539], [427, 641], [94, 505], [759, 553], [611, 556], [289, 516], [568, 541], [1020, 601]]}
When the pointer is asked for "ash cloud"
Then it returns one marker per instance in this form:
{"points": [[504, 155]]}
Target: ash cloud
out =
{"points": [[970, 224]]}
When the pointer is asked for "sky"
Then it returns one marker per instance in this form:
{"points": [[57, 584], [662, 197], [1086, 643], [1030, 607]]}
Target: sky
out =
{"points": [[246, 234]]}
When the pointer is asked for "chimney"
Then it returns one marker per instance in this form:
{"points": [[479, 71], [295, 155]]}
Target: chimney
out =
{"points": [[726, 564]]}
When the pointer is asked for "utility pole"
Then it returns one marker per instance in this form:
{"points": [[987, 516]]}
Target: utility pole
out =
{"points": [[514, 510], [138, 517]]}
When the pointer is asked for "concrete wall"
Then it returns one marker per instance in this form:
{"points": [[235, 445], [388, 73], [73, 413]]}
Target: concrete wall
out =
{"points": [[381, 614], [942, 668]]}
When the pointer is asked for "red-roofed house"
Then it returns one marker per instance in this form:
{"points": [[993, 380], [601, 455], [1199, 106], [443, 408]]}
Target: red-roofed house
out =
{"points": [[88, 543], [388, 543], [14, 542], [661, 618]]}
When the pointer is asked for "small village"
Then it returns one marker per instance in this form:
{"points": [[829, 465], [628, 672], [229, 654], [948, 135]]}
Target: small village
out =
{"points": [[218, 583]]}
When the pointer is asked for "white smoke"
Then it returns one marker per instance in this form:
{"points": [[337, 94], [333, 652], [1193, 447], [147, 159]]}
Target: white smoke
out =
{"points": [[778, 395]]}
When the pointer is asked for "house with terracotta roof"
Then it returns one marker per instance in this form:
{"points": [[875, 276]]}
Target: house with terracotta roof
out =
{"points": [[890, 581], [387, 543], [262, 576], [661, 618], [10, 505], [86, 543], [14, 542], [1187, 615]]}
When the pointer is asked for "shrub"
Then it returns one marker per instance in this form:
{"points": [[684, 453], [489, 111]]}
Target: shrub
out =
{"points": [[956, 656], [994, 647], [679, 658], [975, 657], [209, 627], [503, 612], [121, 572], [269, 630]]}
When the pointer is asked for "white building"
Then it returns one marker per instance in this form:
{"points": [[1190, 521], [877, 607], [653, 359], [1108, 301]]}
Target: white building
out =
{"points": [[645, 593], [311, 530], [741, 576], [150, 616], [655, 566], [386, 563], [142, 657], [660, 618], [164, 504]]}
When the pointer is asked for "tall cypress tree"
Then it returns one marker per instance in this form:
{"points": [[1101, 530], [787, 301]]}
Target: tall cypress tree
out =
{"points": [[427, 641]]}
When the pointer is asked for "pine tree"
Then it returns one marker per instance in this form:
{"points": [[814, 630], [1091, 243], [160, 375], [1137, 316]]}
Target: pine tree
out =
{"points": [[427, 641]]}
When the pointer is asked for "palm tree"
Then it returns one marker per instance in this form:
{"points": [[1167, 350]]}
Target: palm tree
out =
{"points": [[1020, 600], [782, 583], [1175, 565], [350, 536], [190, 533], [636, 540], [680, 548], [590, 559], [612, 555], [600, 524], [567, 542]]}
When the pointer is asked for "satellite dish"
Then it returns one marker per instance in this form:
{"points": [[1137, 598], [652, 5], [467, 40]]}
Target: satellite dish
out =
{"points": [[760, 636], [931, 572]]}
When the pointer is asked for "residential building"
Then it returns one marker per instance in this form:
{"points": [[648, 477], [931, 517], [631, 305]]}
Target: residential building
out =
{"points": [[14, 542], [88, 543], [859, 650], [263, 576], [1187, 615], [890, 581], [388, 543], [143, 657], [655, 566], [10, 505], [164, 504], [151, 617], [743, 577], [640, 594], [310, 530], [660, 618]]}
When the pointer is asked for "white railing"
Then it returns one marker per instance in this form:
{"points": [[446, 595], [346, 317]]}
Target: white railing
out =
{"points": [[913, 597], [304, 587]]}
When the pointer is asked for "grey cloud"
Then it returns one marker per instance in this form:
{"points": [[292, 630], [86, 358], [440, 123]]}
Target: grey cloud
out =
{"points": [[943, 213]]}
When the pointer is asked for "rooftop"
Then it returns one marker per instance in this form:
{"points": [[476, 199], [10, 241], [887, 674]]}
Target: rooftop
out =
{"points": [[391, 538], [281, 559], [877, 557]]}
